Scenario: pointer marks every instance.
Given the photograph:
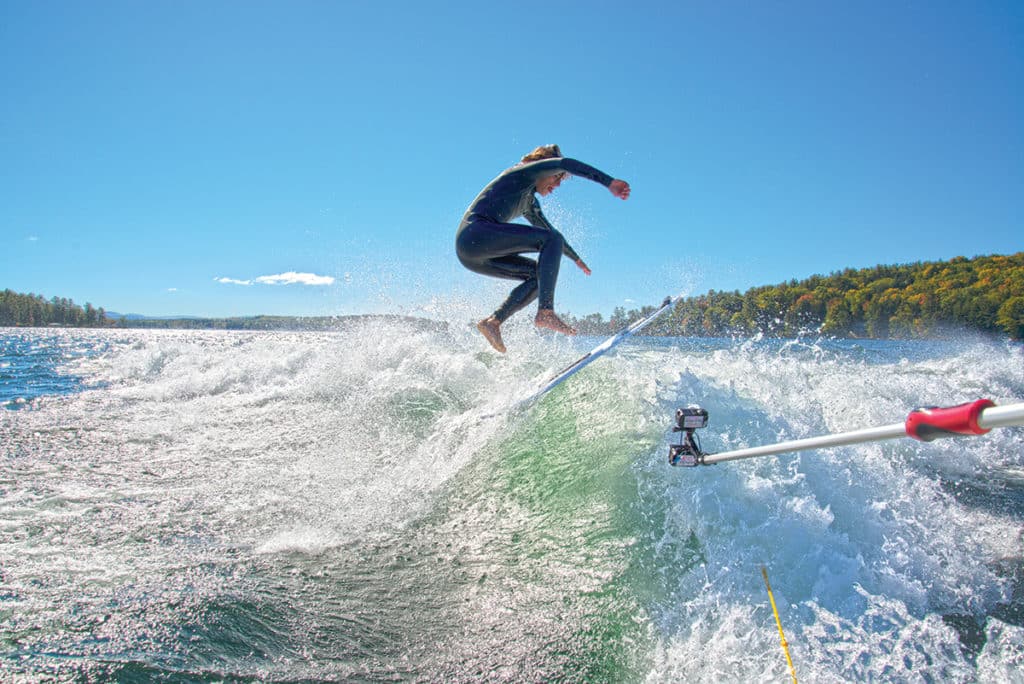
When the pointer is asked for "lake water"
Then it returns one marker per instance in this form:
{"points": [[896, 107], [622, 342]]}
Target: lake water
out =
{"points": [[361, 505]]}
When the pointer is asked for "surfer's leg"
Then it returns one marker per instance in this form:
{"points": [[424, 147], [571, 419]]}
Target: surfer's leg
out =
{"points": [[520, 298], [515, 268], [511, 268], [493, 249], [548, 263]]}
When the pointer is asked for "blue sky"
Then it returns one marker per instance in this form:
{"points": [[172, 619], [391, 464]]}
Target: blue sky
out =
{"points": [[314, 158]]}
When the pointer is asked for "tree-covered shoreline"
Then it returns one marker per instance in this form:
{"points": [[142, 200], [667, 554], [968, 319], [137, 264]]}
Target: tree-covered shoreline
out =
{"points": [[36, 311], [32, 310], [907, 301]]}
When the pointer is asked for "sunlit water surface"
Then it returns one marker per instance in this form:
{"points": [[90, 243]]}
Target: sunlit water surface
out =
{"points": [[362, 505]]}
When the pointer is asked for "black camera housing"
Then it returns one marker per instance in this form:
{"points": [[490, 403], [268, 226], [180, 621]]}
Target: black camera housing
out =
{"points": [[688, 451], [690, 418]]}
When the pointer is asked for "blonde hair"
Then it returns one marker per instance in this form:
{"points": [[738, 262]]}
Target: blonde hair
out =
{"points": [[542, 152]]}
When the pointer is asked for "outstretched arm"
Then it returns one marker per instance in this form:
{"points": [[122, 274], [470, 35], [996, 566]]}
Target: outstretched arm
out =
{"points": [[619, 188]]}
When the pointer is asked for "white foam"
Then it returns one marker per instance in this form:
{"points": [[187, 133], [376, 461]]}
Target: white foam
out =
{"points": [[209, 450], [868, 548]]}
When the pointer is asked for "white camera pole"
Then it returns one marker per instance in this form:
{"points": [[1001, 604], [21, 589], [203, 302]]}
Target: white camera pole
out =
{"points": [[925, 424]]}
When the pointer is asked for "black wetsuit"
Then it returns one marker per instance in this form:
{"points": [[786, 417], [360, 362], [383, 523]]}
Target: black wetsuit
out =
{"points": [[487, 243]]}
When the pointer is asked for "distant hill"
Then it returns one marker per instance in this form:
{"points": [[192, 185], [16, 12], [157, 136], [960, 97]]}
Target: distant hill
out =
{"points": [[114, 316], [923, 299], [31, 310], [274, 322]]}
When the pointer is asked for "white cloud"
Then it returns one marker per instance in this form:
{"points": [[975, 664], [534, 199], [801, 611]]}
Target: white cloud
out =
{"points": [[33, 238], [289, 278], [293, 278], [172, 289]]}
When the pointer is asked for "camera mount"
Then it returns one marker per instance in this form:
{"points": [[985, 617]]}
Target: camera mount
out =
{"points": [[688, 452]]}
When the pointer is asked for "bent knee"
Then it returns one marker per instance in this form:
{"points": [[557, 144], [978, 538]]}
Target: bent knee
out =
{"points": [[554, 238]]}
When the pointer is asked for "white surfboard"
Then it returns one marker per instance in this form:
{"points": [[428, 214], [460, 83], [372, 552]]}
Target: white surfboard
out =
{"points": [[600, 350]]}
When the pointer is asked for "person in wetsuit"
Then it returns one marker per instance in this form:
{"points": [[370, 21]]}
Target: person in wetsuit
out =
{"points": [[488, 244]]}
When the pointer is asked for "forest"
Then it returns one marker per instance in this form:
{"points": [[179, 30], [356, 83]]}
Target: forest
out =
{"points": [[920, 300], [924, 299], [33, 310]]}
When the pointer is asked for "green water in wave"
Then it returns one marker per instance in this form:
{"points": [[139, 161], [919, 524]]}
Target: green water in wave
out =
{"points": [[538, 562]]}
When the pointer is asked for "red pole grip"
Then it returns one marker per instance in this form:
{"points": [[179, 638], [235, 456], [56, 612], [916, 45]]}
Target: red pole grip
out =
{"points": [[931, 423]]}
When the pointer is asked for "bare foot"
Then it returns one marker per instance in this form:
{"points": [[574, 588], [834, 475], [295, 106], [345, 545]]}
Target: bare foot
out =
{"points": [[546, 318], [491, 329]]}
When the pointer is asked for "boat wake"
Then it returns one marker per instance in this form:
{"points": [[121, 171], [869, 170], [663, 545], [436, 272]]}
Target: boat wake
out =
{"points": [[364, 504]]}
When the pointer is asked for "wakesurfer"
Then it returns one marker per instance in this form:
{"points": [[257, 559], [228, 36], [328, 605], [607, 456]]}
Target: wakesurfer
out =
{"points": [[488, 244]]}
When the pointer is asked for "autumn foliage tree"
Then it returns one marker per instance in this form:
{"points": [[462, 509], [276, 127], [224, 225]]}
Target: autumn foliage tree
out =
{"points": [[902, 301]]}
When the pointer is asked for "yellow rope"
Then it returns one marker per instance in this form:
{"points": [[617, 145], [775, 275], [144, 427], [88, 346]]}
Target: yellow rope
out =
{"points": [[782, 637]]}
